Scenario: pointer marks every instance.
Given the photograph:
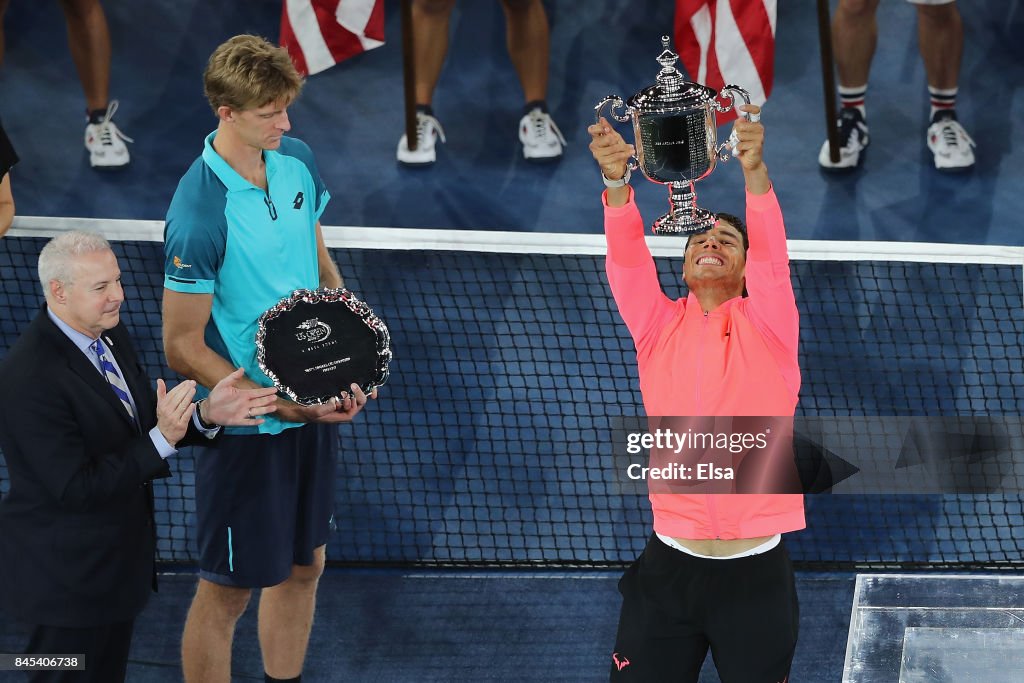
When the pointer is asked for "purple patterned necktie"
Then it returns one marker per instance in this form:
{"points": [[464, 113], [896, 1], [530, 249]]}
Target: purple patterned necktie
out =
{"points": [[113, 377]]}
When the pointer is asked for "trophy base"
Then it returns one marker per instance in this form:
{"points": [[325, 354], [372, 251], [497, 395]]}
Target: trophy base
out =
{"points": [[684, 216], [684, 222]]}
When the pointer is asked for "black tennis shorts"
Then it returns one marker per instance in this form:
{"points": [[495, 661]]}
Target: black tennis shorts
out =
{"points": [[676, 606], [264, 502]]}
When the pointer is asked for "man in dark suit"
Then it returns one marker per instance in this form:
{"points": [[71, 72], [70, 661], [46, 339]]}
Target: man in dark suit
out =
{"points": [[83, 435]]}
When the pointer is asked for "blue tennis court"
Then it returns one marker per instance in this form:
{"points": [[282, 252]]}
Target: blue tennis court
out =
{"points": [[480, 528]]}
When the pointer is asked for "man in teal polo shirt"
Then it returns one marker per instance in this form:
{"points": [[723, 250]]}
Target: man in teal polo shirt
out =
{"points": [[242, 232]]}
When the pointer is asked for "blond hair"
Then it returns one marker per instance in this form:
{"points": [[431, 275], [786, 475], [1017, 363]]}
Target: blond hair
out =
{"points": [[247, 71]]}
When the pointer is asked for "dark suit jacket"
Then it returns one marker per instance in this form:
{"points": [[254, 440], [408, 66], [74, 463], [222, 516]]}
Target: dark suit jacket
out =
{"points": [[77, 535], [8, 158]]}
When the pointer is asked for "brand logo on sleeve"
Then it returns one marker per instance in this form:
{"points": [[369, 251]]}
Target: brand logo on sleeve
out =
{"points": [[178, 263], [297, 202]]}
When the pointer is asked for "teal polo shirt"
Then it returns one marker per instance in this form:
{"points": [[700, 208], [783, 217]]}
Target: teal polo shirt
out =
{"points": [[247, 247]]}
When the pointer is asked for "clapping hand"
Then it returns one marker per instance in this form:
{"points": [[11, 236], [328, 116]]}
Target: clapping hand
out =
{"points": [[174, 409], [227, 404]]}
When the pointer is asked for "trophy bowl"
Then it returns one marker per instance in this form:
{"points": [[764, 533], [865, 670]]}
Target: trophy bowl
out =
{"points": [[676, 139]]}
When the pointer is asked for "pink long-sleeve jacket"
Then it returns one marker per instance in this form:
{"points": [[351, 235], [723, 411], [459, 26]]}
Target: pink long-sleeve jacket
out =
{"points": [[738, 360]]}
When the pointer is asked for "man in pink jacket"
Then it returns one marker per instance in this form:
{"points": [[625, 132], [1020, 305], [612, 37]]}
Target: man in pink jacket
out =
{"points": [[714, 573]]}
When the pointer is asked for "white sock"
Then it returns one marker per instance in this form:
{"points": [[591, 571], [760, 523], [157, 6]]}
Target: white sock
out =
{"points": [[854, 97]]}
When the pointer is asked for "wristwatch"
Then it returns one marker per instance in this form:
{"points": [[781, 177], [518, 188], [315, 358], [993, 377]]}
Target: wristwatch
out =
{"points": [[199, 416], [621, 182]]}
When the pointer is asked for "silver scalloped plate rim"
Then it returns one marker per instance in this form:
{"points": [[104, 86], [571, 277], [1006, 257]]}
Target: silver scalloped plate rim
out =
{"points": [[314, 296]]}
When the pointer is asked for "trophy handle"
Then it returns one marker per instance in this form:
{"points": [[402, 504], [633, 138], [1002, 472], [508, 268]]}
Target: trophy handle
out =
{"points": [[735, 92], [617, 103], [727, 148]]}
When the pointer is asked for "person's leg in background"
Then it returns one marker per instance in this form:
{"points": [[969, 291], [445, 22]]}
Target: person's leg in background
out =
{"points": [[89, 42], [940, 37], [854, 38], [430, 24], [528, 37]]}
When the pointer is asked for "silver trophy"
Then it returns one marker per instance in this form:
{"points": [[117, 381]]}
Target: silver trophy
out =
{"points": [[314, 344], [677, 145]]}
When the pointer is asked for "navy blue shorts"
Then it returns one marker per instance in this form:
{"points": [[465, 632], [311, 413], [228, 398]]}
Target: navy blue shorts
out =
{"points": [[676, 606], [264, 502]]}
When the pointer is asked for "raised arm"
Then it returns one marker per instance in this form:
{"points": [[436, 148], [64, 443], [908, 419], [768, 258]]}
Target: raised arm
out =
{"points": [[771, 302], [632, 275]]}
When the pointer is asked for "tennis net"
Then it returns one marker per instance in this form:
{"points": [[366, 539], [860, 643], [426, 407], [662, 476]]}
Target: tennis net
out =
{"points": [[490, 444]]}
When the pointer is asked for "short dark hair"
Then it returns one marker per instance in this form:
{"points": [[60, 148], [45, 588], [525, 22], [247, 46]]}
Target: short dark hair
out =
{"points": [[734, 221]]}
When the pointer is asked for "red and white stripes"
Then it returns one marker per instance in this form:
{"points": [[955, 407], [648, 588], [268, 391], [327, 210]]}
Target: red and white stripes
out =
{"points": [[728, 42], [320, 33]]}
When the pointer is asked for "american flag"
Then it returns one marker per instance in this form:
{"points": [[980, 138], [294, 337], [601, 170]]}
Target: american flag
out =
{"points": [[728, 42], [320, 33]]}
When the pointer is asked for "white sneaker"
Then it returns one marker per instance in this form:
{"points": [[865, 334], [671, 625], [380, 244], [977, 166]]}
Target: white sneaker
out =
{"points": [[542, 141], [950, 143], [853, 140], [105, 142], [428, 130]]}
